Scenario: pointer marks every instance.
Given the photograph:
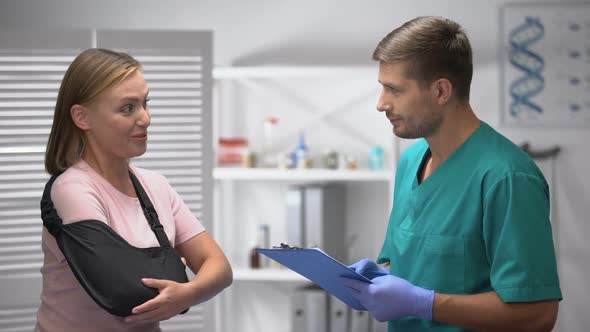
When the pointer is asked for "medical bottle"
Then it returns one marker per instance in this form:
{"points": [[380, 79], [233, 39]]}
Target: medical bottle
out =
{"points": [[269, 155], [262, 241], [376, 158], [301, 154]]}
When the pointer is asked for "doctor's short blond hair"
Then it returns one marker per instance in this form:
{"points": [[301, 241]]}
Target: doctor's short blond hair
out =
{"points": [[433, 47]]}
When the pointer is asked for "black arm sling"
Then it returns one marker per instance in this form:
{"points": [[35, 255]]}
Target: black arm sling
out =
{"points": [[108, 267]]}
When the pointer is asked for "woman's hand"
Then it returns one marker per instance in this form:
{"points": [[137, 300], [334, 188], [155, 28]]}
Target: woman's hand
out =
{"points": [[212, 274], [173, 299]]}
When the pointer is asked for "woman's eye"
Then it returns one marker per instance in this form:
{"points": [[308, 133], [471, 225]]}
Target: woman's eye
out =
{"points": [[127, 109], [145, 103]]}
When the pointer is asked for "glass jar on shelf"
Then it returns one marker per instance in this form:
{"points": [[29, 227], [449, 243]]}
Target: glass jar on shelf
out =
{"points": [[231, 151]]}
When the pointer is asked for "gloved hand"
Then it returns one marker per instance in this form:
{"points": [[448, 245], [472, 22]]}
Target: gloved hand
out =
{"points": [[368, 268], [391, 298]]}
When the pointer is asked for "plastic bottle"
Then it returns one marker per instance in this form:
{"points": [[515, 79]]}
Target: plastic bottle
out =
{"points": [[301, 154], [269, 156], [376, 158]]}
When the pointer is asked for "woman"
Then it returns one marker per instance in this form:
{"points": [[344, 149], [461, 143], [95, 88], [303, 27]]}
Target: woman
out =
{"points": [[101, 121]]}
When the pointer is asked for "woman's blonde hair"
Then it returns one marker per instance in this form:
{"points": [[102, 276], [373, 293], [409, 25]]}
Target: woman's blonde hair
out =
{"points": [[92, 72]]}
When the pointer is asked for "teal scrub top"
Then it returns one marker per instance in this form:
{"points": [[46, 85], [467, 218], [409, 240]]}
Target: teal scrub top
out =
{"points": [[478, 223]]}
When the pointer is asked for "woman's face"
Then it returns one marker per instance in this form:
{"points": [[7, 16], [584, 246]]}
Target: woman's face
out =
{"points": [[118, 120]]}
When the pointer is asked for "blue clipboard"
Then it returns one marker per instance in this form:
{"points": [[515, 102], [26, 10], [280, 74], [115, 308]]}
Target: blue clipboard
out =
{"points": [[319, 267]]}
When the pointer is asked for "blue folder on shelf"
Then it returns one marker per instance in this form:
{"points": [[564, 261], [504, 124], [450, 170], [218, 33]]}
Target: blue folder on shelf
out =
{"points": [[319, 267]]}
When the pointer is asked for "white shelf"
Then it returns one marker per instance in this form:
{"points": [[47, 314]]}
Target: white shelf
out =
{"points": [[244, 197], [269, 274], [319, 175], [290, 71]]}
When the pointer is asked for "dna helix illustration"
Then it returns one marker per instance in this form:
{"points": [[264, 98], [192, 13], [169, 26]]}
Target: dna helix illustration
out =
{"points": [[530, 63]]}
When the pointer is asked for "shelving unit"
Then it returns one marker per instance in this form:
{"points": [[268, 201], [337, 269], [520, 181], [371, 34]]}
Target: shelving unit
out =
{"points": [[259, 299], [268, 274], [299, 175]]}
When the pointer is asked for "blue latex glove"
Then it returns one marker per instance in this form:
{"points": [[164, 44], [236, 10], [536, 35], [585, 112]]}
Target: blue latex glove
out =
{"points": [[391, 298], [368, 268]]}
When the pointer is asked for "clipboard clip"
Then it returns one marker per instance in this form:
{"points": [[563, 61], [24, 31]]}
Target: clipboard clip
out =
{"points": [[285, 246]]}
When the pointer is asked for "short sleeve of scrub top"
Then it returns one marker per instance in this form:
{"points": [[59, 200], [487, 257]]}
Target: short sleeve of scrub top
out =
{"points": [[518, 241]]}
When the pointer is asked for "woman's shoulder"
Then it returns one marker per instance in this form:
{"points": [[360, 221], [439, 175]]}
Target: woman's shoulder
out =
{"points": [[78, 185], [76, 195], [76, 177], [149, 177]]}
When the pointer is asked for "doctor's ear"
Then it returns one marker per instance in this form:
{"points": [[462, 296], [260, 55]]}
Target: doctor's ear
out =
{"points": [[442, 89], [79, 115]]}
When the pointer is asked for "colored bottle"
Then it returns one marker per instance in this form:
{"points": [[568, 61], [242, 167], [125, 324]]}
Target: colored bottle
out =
{"points": [[301, 154], [262, 241]]}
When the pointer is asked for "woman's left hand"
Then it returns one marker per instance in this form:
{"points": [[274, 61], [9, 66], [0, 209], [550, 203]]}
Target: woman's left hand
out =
{"points": [[174, 298]]}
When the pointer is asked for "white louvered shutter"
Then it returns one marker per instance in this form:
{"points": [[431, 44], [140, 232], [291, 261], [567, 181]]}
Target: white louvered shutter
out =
{"points": [[32, 64], [178, 71]]}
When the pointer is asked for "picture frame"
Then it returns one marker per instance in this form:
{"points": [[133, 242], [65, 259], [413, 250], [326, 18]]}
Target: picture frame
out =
{"points": [[545, 65]]}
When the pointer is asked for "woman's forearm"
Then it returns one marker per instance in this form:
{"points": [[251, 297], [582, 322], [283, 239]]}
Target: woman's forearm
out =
{"points": [[214, 275]]}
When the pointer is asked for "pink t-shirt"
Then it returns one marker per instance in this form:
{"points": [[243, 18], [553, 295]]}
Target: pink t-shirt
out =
{"points": [[81, 193]]}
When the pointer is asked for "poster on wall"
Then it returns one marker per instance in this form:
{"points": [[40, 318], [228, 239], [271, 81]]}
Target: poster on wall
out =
{"points": [[545, 65]]}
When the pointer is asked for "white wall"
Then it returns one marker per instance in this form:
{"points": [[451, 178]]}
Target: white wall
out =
{"points": [[267, 31], [311, 32]]}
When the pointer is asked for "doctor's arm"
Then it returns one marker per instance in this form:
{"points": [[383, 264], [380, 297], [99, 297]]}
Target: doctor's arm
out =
{"points": [[487, 312], [392, 298], [519, 245]]}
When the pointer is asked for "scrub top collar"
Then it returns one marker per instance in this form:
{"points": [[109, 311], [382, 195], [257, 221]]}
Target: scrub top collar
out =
{"points": [[434, 179]]}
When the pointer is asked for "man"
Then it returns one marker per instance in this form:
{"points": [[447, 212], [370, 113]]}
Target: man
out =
{"points": [[469, 244]]}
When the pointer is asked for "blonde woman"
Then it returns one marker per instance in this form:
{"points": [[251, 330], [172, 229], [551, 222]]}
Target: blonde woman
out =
{"points": [[101, 121]]}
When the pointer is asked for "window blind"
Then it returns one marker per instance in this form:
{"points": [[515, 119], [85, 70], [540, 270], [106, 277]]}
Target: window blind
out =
{"points": [[177, 67], [29, 81]]}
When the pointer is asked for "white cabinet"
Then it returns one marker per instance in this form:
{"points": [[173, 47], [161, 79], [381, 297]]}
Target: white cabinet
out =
{"points": [[335, 108]]}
